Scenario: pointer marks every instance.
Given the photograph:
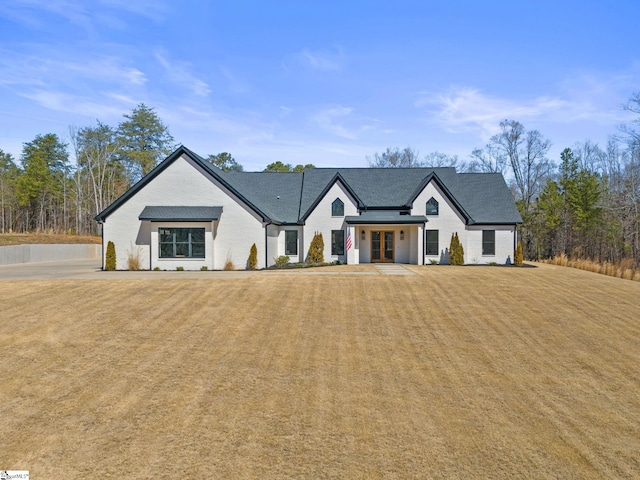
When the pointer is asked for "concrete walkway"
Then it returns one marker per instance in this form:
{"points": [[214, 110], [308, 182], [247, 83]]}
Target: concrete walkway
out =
{"points": [[393, 269]]}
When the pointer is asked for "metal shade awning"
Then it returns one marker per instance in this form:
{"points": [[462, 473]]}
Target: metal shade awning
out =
{"points": [[180, 214], [384, 217]]}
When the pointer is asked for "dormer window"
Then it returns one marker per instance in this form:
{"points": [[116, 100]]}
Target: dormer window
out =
{"points": [[432, 206], [337, 208]]}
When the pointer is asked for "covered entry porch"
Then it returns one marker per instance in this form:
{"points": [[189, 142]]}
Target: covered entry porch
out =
{"points": [[386, 237]]}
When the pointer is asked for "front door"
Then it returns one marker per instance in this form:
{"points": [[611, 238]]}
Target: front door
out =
{"points": [[382, 249]]}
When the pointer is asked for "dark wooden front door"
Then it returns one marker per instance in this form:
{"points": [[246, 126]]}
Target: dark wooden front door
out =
{"points": [[382, 248]]}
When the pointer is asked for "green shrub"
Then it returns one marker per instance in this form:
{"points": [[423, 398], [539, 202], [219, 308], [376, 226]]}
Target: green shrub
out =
{"points": [[519, 258], [179, 269], [456, 253], [252, 263], [281, 261], [316, 249], [493, 264], [157, 269], [110, 261], [433, 261], [204, 268]]}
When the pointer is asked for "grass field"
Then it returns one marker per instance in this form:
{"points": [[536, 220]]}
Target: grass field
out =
{"points": [[45, 238], [457, 372]]}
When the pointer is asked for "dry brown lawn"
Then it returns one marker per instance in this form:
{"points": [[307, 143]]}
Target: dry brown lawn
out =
{"points": [[44, 238], [457, 372]]}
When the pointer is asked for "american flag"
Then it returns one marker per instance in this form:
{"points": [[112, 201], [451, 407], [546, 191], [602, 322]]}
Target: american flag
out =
{"points": [[349, 242]]}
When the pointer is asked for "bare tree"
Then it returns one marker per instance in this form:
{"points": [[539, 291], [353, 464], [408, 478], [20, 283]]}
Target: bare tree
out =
{"points": [[489, 159], [439, 159], [395, 158]]}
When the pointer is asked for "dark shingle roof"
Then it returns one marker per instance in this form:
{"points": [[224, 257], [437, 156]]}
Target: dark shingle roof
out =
{"points": [[384, 216], [180, 214], [289, 197], [277, 194]]}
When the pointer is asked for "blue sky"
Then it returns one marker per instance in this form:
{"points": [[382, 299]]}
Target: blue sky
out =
{"points": [[322, 82]]}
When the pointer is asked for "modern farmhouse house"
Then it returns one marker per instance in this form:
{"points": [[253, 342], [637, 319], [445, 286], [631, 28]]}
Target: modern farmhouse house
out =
{"points": [[187, 213]]}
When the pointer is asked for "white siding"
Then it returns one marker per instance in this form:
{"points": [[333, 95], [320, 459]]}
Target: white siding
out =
{"points": [[183, 184], [504, 244], [447, 222], [320, 220], [281, 244]]}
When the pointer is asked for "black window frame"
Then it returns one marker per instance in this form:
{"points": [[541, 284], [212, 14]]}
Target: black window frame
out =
{"points": [[430, 242], [488, 242], [181, 242], [337, 246], [288, 242], [337, 208], [434, 203]]}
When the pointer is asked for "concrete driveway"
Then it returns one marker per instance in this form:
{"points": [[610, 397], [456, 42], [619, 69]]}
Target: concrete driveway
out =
{"points": [[90, 270]]}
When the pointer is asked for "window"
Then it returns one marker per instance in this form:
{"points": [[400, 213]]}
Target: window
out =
{"points": [[181, 242], [431, 242], [337, 242], [432, 206], [337, 208], [488, 242], [291, 242]]}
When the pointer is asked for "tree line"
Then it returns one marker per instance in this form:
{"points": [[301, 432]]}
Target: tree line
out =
{"points": [[46, 191], [584, 205]]}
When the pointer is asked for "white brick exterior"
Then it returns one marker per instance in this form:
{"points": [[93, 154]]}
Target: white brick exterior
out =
{"points": [[183, 182], [320, 220], [450, 221]]}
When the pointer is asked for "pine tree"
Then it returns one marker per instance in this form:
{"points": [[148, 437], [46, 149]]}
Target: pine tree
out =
{"points": [[456, 252], [110, 261], [460, 250], [316, 249], [519, 259], [253, 257], [144, 140]]}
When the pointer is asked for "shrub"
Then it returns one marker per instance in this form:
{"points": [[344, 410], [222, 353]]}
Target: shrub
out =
{"points": [[281, 261], [456, 252], [179, 269], [433, 261], [110, 261], [228, 265], [253, 258], [316, 249], [518, 257], [157, 269], [204, 268], [133, 258]]}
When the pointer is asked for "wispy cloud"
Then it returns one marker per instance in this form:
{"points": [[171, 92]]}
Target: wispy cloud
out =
{"points": [[322, 61], [593, 98], [342, 122], [179, 73], [81, 13], [329, 118], [466, 109], [65, 102], [46, 68]]}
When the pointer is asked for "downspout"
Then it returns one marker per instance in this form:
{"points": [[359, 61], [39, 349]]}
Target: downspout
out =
{"points": [[102, 237], [266, 247]]}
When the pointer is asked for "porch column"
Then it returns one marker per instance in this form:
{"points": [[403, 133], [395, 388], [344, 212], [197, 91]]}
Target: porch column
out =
{"points": [[352, 254], [420, 248]]}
